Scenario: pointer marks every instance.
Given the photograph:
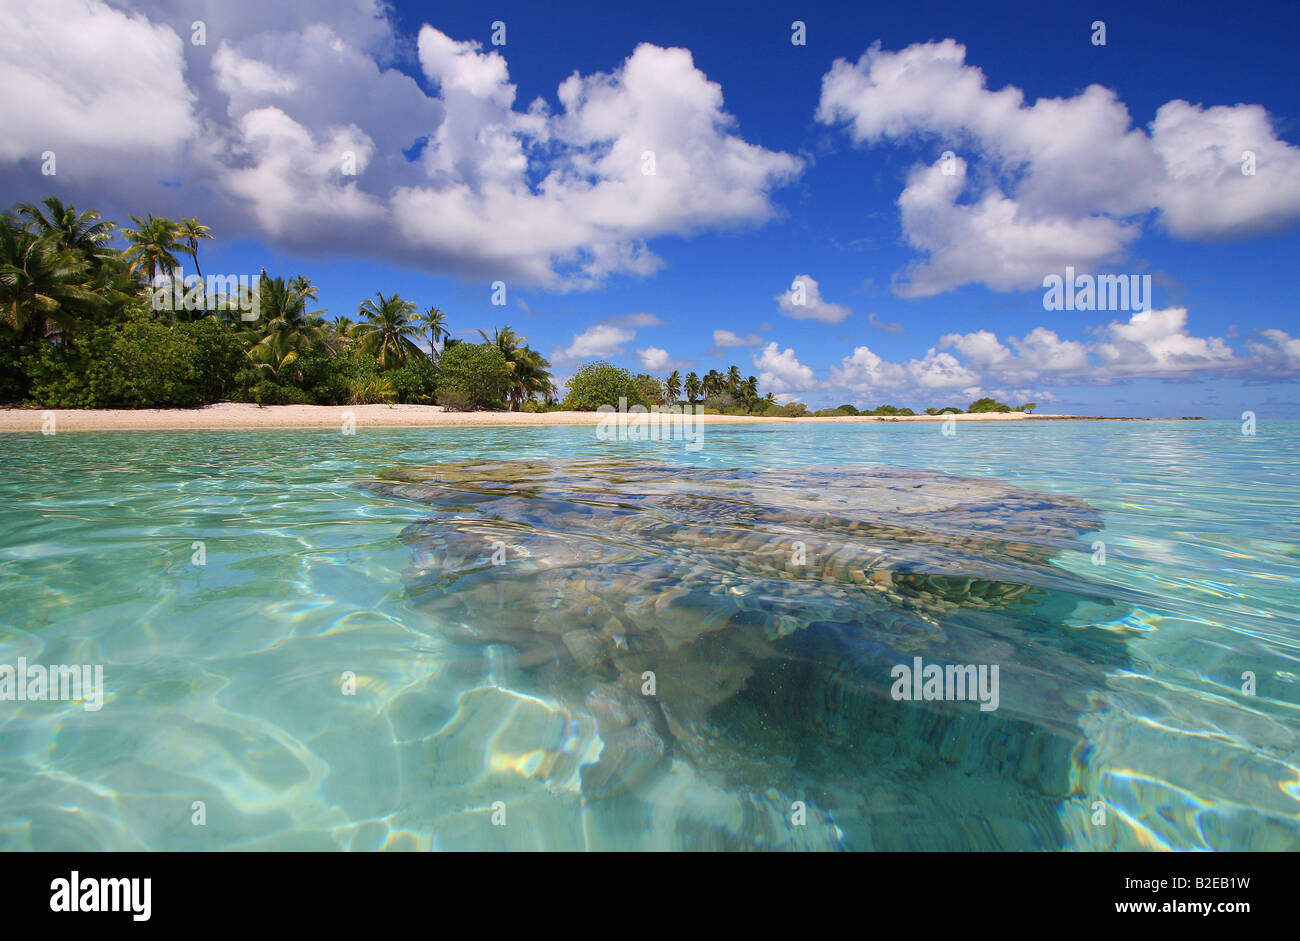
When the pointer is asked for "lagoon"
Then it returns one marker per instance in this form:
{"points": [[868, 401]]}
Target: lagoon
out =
{"points": [[1149, 693]]}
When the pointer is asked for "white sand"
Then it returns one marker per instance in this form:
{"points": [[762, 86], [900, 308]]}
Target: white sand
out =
{"points": [[237, 415]]}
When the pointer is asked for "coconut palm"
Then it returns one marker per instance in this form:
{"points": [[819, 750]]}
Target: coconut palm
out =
{"points": [[713, 383], [435, 322], [749, 392], [153, 244], [84, 233], [692, 387], [277, 355], [529, 371], [389, 330], [302, 284], [733, 380], [190, 232], [673, 386], [287, 317], [40, 282]]}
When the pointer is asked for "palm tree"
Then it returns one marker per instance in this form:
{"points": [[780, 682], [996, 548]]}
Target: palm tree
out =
{"points": [[673, 386], [389, 330], [749, 392], [276, 354], [190, 230], [530, 378], [692, 387], [153, 243], [301, 284], [733, 380], [84, 233], [713, 383], [529, 370], [40, 281], [288, 319], [435, 322]]}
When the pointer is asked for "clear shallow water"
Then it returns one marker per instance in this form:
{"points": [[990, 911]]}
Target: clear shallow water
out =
{"points": [[371, 555]]}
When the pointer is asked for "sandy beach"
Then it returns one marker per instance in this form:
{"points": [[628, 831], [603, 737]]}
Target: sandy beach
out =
{"points": [[232, 415]]}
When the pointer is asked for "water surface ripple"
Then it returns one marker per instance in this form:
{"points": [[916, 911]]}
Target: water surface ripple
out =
{"points": [[768, 582]]}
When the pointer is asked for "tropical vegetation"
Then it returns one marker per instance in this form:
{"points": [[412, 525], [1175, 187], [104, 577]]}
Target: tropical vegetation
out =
{"points": [[84, 324]]}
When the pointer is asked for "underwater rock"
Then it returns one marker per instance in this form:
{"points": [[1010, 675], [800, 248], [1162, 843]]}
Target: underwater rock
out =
{"points": [[769, 607]]}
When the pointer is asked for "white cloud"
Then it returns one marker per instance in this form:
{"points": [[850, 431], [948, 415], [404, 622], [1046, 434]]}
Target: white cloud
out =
{"points": [[653, 359], [803, 301], [1157, 343], [781, 372], [595, 206], [865, 373], [1066, 180], [293, 180], [1205, 194], [249, 131], [725, 339], [1151, 345], [1042, 351], [101, 88], [1281, 352], [600, 341]]}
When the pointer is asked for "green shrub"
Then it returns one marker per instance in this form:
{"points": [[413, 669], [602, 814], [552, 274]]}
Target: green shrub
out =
{"points": [[13, 382], [472, 375], [138, 364], [327, 375], [650, 390], [789, 410], [268, 392], [415, 383], [988, 405], [372, 390], [219, 355], [601, 383]]}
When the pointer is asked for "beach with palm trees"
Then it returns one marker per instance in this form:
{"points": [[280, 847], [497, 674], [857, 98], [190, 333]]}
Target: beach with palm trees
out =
{"points": [[105, 335]]}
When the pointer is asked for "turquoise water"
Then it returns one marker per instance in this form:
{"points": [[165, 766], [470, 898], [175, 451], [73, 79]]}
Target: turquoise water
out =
{"points": [[348, 669]]}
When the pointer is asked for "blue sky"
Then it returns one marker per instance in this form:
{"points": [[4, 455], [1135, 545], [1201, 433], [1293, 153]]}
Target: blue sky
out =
{"points": [[772, 164]]}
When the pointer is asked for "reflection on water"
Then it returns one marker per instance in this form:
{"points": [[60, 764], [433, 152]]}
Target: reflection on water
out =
{"points": [[740, 627]]}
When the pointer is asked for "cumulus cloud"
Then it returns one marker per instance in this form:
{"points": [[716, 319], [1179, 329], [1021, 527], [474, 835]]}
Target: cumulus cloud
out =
{"points": [[1276, 351], [725, 340], [804, 301], [293, 179], [656, 360], [1159, 344], [781, 372], [259, 130], [103, 89], [1066, 181], [598, 342]]}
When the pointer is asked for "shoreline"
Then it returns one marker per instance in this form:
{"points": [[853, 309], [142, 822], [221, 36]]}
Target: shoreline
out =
{"points": [[238, 416]]}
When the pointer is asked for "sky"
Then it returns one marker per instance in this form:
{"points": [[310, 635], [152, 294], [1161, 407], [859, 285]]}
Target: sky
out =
{"points": [[867, 216]]}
